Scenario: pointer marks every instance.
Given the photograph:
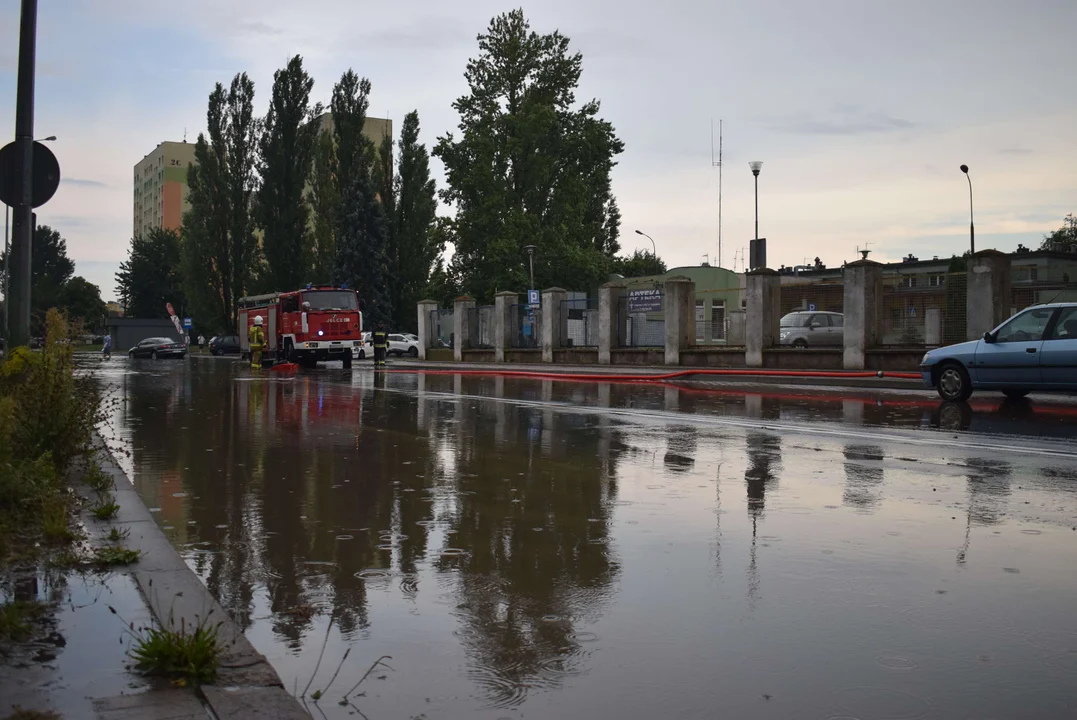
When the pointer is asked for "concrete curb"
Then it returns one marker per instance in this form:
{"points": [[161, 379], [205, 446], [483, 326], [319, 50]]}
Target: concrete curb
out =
{"points": [[173, 591]]}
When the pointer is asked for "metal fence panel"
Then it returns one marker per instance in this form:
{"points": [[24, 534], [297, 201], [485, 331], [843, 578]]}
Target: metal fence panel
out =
{"points": [[442, 329], [579, 322], [481, 327], [918, 310], [713, 313], [640, 329], [526, 321]]}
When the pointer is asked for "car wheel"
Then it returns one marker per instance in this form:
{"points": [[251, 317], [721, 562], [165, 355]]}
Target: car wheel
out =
{"points": [[953, 382], [347, 361], [413, 351], [153, 354], [800, 343], [289, 351], [362, 354], [131, 355], [1015, 394]]}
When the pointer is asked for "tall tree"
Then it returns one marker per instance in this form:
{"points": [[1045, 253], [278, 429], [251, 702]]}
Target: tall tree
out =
{"points": [[361, 241], [355, 152], [529, 167], [286, 150], [82, 302], [324, 199], [151, 276], [639, 264], [50, 269], [218, 244], [1065, 238], [415, 240]]}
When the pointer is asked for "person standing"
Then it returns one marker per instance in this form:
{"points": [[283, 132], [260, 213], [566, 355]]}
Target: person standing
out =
{"points": [[380, 340], [201, 344], [106, 349], [257, 340]]}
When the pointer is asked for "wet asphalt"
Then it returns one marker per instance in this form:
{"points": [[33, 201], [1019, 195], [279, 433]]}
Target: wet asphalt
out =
{"points": [[533, 548]]}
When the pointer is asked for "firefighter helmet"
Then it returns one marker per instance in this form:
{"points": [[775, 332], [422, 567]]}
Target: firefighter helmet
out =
{"points": [[257, 319]]}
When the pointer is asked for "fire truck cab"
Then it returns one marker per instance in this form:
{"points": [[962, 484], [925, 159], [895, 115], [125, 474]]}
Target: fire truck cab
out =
{"points": [[315, 324]]}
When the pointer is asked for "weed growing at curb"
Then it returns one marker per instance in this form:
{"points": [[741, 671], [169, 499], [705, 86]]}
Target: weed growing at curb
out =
{"points": [[116, 535], [17, 713], [189, 654], [106, 510], [111, 556], [16, 620], [98, 480]]}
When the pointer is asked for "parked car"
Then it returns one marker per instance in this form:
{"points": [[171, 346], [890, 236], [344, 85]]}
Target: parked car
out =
{"points": [[366, 346], [400, 345], [1035, 350], [224, 345], [158, 347], [811, 329]]}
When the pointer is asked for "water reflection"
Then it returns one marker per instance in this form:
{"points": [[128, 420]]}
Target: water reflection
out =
{"points": [[863, 476]]}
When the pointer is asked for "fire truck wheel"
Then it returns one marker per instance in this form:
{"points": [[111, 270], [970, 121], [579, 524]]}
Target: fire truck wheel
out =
{"points": [[347, 361], [289, 351]]}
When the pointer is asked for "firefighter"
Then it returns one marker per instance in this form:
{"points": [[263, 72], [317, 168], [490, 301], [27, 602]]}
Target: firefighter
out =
{"points": [[257, 340], [380, 340]]}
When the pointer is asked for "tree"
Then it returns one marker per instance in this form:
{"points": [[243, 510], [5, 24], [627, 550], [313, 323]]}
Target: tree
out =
{"points": [[354, 151], [1064, 239], [50, 269], [529, 167], [82, 302], [324, 199], [361, 242], [286, 150], [410, 201], [639, 264], [151, 277], [218, 245]]}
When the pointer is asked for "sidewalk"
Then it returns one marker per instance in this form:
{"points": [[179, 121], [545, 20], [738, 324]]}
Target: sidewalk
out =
{"points": [[835, 381]]}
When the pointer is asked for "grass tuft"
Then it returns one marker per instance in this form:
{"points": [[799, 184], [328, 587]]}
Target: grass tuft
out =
{"points": [[111, 556], [17, 713], [187, 654], [116, 535], [16, 620], [105, 510]]}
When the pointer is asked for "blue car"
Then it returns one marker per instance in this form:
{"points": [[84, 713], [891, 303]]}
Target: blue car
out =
{"points": [[1034, 351]]}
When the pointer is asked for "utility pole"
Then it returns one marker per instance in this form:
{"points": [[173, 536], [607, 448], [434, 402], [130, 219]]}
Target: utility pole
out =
{"points": [[718, 165], [972, 225], [18, 294], [531, 256]]}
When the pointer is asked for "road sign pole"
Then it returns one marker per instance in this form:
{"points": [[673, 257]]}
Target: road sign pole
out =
{"points": [[22, 216]]}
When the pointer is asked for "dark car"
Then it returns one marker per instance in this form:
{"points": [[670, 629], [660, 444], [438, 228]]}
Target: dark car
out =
{"points": [[224, 345], [158, 347]]}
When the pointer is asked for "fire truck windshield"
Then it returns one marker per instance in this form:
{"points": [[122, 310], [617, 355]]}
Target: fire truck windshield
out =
{"points": [[330, 299]]}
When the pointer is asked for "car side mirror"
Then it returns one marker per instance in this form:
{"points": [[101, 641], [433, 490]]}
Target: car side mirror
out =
{"points": [[816, 326], [988, 337]]}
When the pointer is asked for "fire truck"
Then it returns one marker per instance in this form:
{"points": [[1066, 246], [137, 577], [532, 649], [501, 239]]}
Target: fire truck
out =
{"points": [[315, 324]]}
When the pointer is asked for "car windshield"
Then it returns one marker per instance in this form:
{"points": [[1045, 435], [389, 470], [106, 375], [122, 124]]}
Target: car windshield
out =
{"points": [[795, 320], [330, 299], [158, 341]]}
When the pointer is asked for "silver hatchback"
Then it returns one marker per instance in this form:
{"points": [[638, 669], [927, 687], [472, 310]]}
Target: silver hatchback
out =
{"points": [[812, 329]]}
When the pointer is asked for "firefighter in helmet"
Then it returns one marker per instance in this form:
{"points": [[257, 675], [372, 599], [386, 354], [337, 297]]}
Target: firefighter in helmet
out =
{"points": [[380, 340], [257, 339]]}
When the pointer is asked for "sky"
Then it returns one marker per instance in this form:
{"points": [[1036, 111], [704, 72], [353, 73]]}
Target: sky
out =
{"points": [[862, 111]]}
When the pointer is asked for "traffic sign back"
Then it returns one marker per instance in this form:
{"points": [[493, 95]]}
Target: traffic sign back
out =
{"points": [[46, 175]]}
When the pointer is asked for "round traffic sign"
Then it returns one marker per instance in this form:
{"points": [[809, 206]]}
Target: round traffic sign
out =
{"points": [[46, 175]]}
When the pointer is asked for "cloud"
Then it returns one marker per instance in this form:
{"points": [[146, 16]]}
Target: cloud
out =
{"points": [[83, 183], [1015, 151], [845, 120], [255, 27]]}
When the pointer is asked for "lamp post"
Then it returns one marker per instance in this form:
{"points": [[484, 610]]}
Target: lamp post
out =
{"points": [[654, 247], [7, 253], [756, 166], [972, 225], [531, 256]]}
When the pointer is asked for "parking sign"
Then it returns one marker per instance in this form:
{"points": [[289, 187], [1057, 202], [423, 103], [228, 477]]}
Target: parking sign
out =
{"points": [[187, 323], [811, 307], [533, 297]]}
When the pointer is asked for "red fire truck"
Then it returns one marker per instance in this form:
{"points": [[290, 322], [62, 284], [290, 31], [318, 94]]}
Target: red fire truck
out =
{"points": [[317, 323]]}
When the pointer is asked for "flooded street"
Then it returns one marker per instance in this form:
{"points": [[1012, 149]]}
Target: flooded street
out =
{"points": [[530, 548]]}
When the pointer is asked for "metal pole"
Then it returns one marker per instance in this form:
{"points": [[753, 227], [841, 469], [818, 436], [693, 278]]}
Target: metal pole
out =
{"points": [[531, 258], [7, 275], [972, 224], [22, 235], [756, 206]]}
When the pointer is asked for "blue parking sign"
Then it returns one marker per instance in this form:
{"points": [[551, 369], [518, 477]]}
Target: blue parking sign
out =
{"points": [[811, 307], [533, 297], [187, 323]]}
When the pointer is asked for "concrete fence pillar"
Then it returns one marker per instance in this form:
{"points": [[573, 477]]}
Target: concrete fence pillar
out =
{"points": [[609, 300], [863, 292], [425, 327], [552, 325], [764, 294], [989, 292], [679, 306], [504, 327], [735, 336], [461, 326]]}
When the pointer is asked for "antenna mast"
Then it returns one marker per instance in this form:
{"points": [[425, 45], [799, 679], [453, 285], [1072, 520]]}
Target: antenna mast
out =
{"points": [[718, 164]]}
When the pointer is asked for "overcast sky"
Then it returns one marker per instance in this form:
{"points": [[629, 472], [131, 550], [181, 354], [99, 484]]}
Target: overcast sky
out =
{"points": [[862, 110]]}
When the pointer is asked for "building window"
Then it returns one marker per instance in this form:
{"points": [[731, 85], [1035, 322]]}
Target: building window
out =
{"points": [[1033, 273], [909, 281], [936, 280]]}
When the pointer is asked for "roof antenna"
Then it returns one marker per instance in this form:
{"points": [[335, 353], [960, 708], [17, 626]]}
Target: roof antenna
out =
{"points": [[718, 164], [185, 134]]}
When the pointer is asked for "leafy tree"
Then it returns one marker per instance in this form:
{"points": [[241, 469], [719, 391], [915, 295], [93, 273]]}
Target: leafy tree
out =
{"points": [[361, 242], [82, 302], [151, 276], [50, 269], [354, 151], [1064, 238], [529, 167], [442, 286], [219, 248], [639, 264], [286, 150], [324, 199], [410, 201]]}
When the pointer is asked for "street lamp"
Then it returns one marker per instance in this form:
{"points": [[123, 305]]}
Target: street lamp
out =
{"points": [[7, 251], [531, 256], [756, 166], [653, 246], [972, 225]]}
